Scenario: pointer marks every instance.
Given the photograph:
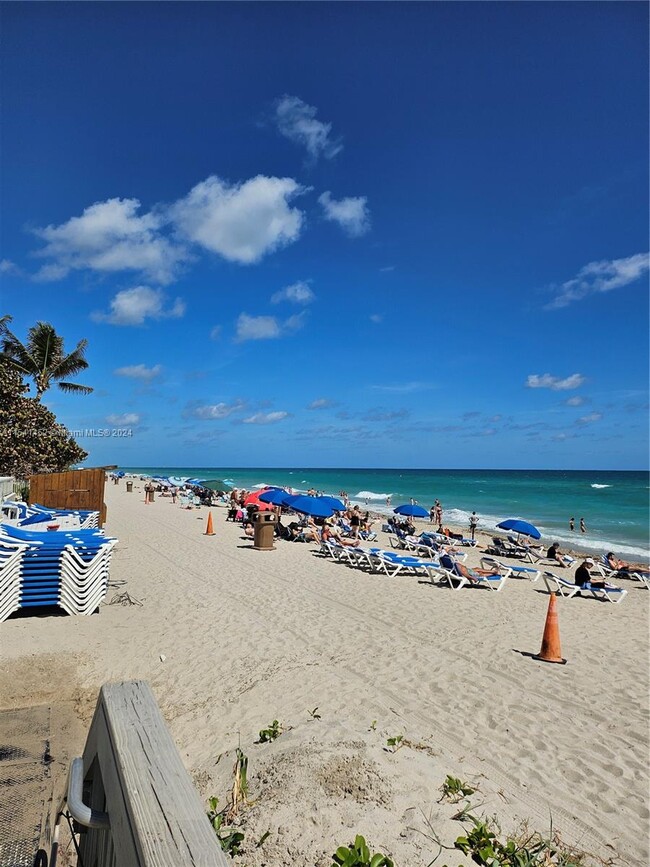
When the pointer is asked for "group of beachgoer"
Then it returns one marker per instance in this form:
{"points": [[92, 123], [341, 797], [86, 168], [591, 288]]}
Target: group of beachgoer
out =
{"points": [[435, 514], [572, 525]]}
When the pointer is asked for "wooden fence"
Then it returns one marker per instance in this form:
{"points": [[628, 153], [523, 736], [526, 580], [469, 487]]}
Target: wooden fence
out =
{"points": [[135, 783], [75, 489]]}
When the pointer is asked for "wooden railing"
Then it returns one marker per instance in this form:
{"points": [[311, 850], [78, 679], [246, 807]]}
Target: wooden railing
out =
{"points": [[138, 802]]}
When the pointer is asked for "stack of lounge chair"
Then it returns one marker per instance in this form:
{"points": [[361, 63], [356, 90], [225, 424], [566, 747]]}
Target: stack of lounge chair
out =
{"points": [[20, 514], [66, 568]]}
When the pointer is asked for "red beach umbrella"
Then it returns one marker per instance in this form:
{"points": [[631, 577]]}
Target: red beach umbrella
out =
{"points": [[254, 500]]}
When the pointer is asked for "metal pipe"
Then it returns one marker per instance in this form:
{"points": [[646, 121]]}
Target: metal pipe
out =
{"points": [[79, 811]]}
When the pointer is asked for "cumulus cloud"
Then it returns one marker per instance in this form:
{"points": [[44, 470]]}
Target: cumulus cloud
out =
{"points": [[134, 306], [589, 419], [110, 236], [241, 222], [139, 371], [256, 327], [298, 293], [554, 382], [265, 417], [576, 400], [599, 277], [125, 418], [320, 403], [296, 120], [266, 327], [351, 213], [208, 412]]}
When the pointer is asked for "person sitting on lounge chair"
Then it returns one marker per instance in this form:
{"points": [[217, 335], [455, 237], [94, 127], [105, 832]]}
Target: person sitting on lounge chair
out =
{"points": [[553, 553], [583, 575], [329, 532], [473, 575]]}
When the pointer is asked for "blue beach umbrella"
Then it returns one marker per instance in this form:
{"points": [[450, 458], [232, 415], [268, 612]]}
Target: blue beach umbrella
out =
{"points": [[522, 528], [275, 496], [313, 506], [412, 511], [334, 502]]}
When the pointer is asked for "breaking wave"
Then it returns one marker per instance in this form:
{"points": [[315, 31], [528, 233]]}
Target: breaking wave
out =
{"points": [[370, 495], [601, 486]]}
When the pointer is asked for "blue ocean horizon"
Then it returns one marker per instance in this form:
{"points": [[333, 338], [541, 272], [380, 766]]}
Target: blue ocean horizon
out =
{"points": [[614, 503]]}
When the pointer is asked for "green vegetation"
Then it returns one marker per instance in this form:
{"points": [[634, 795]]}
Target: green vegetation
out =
{"points": [[357, 854], [31, 440], [42, 358], [395, 743], [229, 838], [454, 790], [483, 845], [271, 733]]}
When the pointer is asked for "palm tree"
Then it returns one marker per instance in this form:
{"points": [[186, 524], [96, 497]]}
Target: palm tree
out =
{"points": [[43, 358]]}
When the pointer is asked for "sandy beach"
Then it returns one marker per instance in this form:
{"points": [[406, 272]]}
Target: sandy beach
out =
{"points": [[231, 639]]}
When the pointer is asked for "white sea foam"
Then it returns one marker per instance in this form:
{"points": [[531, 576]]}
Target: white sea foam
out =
{"points": [[601, 486], [371, 495]]}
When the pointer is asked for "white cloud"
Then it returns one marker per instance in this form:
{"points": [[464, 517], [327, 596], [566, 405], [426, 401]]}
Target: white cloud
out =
{"points": [[9, 267], [589, 419], [108, 237], [295, 322], [320, 403], [601, 277], [387, 269], [266, 327], [256, 327], [296, 120], [216, 410], [215, 333], [134, 306], [376, 318], [241, 222], [351, 213], [139, 371], [265, 417], [298, 293], [555, 383], [125, 418], [576, 400]]}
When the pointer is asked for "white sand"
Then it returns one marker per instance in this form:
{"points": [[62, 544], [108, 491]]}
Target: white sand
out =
{"points": [[252, 636]]}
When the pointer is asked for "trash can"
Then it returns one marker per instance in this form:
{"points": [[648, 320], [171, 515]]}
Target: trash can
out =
{"points": [[129, 487], [263, 530]]}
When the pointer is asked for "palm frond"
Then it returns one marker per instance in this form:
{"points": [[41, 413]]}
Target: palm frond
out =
{"points": [[74, 386], [70, 365]]}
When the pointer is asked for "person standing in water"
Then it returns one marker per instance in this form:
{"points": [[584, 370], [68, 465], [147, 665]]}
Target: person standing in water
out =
{"points": [[583, 529], [572, 524]]}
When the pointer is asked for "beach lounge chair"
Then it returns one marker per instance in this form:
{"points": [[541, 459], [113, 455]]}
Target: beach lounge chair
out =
{"points": [[393, 564], [502, 548], [516, 571], [567, 589], [451, 574], [607, 572]]}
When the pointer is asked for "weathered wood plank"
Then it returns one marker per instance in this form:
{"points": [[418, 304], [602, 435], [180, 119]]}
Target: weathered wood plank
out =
{"points": [[157, 817]]}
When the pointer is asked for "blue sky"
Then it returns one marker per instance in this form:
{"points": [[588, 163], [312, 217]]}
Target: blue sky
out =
{"points": [[329, 234]]}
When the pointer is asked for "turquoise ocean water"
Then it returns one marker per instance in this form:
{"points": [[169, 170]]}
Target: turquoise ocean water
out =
{"points": [[615, 505]]}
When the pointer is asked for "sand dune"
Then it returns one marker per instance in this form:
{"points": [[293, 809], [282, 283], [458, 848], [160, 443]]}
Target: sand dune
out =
{"points": [[248, 637]]}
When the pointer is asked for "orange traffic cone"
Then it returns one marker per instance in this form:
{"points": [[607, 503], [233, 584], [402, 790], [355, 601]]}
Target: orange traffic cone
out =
{"points": [[208, 530], [551, 651]]}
